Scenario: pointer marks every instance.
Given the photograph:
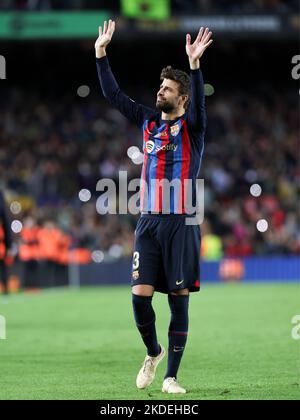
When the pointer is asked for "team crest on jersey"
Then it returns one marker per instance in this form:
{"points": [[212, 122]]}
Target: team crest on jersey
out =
{"points": [[175, 130], [150, 145], [135, 275]]}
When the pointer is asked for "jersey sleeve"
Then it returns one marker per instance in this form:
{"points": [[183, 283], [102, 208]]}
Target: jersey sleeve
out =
{"points": [[135, 112], [196, 114]]}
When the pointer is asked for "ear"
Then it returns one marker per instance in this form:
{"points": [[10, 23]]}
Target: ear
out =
{"points": [[185, 99]]}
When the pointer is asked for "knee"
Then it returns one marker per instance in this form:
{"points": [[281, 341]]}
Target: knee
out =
{"points": [[143, 290], [179, 304], [143, 310], [182, 292]]}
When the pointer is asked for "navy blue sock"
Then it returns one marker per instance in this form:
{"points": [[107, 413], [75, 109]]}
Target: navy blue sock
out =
{"points": [[178, 332], [145, 321]]}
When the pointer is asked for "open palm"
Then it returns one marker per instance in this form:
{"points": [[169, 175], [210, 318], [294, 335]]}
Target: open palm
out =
{"points": [[105, 35], [202, 42]]}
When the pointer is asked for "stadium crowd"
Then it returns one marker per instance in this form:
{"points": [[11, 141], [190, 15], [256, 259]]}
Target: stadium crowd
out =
{"points": [[50, 151], [178, 6]]}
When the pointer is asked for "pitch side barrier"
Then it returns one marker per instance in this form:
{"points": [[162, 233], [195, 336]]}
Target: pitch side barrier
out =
{"points": [[256, 269]]}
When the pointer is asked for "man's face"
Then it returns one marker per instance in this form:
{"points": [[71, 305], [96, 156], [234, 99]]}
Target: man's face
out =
{"points": [[168, 98]]}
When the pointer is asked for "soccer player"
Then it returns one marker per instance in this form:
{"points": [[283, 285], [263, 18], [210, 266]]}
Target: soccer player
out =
{"points": [[167, 249]]}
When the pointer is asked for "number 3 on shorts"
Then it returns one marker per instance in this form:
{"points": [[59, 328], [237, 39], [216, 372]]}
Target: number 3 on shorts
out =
{"points": [[136, 260]]}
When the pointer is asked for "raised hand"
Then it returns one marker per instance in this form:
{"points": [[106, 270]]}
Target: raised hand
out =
{"points": [[196, 50], [105, 36]]}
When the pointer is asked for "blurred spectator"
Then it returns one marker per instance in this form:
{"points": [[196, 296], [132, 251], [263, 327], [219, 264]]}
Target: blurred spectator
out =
{"points": [[211, 247], [178, 6], [59, 4], [50, 150]]}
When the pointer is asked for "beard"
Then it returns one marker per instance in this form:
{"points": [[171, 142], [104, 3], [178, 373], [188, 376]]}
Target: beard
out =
{"points": [[164, 106]]}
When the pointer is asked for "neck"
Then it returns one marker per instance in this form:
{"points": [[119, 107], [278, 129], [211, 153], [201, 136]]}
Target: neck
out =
{"points": [[172, 115]]}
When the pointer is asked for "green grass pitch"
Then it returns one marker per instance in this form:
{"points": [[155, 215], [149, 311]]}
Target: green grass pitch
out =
{"points": [[83, 344]]}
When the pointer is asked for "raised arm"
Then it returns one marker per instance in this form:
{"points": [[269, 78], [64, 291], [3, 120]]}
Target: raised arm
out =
{"points": [[136, 113], [196, 112]]}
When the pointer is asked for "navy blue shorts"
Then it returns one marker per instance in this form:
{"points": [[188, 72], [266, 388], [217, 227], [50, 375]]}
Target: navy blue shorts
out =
{"points": [[166, 254]]}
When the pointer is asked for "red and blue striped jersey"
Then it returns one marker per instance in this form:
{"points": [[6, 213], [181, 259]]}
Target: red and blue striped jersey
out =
{"points": [[172, 149]]}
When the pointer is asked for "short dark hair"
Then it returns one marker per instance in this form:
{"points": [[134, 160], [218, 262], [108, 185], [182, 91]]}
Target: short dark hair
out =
{"points": [[182, 78]]}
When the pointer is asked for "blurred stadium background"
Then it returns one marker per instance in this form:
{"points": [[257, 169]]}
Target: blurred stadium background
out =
{"points": [[58, 137]]}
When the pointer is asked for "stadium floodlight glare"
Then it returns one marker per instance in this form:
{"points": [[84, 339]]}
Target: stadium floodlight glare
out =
{"points": [[83, 91], [133, 151], [209, 89], [17, 226], [138, 159], [146, 9], [135, 155], [256, 190], [85, 195], [15, 207], [115, 251], [262, 225], [98, 257]]}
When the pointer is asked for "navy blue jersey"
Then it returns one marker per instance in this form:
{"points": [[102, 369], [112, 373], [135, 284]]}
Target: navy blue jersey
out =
{"points": [[172, 149]]}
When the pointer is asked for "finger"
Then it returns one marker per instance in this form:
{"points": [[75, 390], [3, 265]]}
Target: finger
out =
{"points": [[112, 27], [100, 31], [205, 34], [188, 39], [200, 34], [207, 38], [104, 28], [208, 44]]}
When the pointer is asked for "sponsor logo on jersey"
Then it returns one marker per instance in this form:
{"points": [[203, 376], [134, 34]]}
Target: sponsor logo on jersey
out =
{"points": [[163, 135], [150, 147], [167, 147]]}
